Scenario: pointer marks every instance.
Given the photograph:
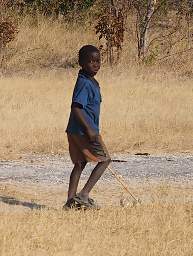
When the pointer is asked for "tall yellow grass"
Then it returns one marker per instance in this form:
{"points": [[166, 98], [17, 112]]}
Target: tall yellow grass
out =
{"points": [[162, 227], [147, 230], [45, 45], [137, 114]]}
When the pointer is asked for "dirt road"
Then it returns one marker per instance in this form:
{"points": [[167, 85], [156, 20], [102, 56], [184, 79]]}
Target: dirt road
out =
{"points": [[44, 179], [44, 169]]}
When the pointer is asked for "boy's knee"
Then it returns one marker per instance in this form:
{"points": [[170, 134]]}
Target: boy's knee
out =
{"points": [[107, 162]]}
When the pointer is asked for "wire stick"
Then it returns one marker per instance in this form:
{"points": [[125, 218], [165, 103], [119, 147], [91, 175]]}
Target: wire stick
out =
{"points": [[122, 182]]}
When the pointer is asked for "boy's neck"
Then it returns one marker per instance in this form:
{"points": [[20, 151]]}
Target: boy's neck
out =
{"points": [[86, 73]]}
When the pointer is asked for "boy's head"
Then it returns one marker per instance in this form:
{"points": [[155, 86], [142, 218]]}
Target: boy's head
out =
{"points": [[89, 59]]}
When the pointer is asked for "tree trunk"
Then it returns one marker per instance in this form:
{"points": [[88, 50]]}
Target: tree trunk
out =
{"points": [[144, 29], [188, 17], [1, 61]]}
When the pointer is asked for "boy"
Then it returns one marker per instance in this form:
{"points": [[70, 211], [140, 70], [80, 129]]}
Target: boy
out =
{"points": [[85, 142]]}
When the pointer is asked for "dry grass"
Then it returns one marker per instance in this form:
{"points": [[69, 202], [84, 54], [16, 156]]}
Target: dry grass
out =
{"points": [[45, 45], [161, 227], [137, 114]]}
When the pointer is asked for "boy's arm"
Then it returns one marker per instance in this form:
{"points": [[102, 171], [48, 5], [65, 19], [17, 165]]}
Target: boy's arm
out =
{"points": [[79, 115]]}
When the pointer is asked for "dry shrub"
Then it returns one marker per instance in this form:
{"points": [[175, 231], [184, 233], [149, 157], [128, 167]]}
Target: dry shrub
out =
{"points": [[8, 32]]}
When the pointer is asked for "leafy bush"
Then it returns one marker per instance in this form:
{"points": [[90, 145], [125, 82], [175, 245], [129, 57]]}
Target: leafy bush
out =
{"points": [[50, 7]]}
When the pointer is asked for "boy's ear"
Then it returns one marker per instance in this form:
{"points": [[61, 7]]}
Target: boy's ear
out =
{"points": [[82, 65]]}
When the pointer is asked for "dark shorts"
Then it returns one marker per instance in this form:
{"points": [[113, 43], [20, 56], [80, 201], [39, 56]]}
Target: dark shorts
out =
{"points": [[81, 149]]}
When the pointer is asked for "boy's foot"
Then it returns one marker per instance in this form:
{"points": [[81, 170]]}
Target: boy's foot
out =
{"points": [[94, 204], [86, 203], [71, 204]]}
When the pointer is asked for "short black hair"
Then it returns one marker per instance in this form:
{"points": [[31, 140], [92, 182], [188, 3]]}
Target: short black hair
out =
{"points": [[84, 53]]}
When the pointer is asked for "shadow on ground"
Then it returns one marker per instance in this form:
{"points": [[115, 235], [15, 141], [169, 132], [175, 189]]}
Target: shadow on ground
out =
{"points": [[14, 201]]}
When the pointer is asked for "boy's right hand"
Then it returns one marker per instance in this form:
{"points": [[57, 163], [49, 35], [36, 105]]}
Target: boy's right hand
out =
{"points": [[92, 135]]}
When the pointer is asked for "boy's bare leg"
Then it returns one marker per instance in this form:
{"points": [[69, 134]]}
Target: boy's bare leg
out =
{"points": [[74, 179], [94, 177]]}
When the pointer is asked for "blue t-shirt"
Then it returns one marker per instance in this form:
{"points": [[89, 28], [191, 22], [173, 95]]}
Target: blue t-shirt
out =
{"points": [[87, 93]]}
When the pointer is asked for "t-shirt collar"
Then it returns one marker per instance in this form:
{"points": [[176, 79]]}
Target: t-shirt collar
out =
{"points": [[85, 74]]}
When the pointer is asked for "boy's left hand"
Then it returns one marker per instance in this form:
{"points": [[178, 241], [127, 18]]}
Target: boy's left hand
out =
{"points": [[92, 135]]}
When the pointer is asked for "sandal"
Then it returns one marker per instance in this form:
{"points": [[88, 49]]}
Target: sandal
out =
{"points": [[88, 204], [93, 204], [84, 203], [71, 204]]}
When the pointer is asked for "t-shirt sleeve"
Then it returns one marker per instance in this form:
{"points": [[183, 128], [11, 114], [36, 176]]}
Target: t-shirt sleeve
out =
{"points": [[80, 94]]}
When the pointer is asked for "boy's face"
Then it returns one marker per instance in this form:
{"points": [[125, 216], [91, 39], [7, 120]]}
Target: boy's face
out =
{"points": [[92, 64]]}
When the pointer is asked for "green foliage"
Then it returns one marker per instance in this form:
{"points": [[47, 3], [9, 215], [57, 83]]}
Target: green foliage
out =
{"points": [[88, 3], [49, 7]]}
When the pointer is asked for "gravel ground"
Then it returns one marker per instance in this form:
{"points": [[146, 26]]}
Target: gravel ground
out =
{"points": [[52, 170], [44, 179]]}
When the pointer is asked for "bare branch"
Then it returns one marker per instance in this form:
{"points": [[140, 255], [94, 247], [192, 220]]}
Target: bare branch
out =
{"points": [[176, 53]]}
